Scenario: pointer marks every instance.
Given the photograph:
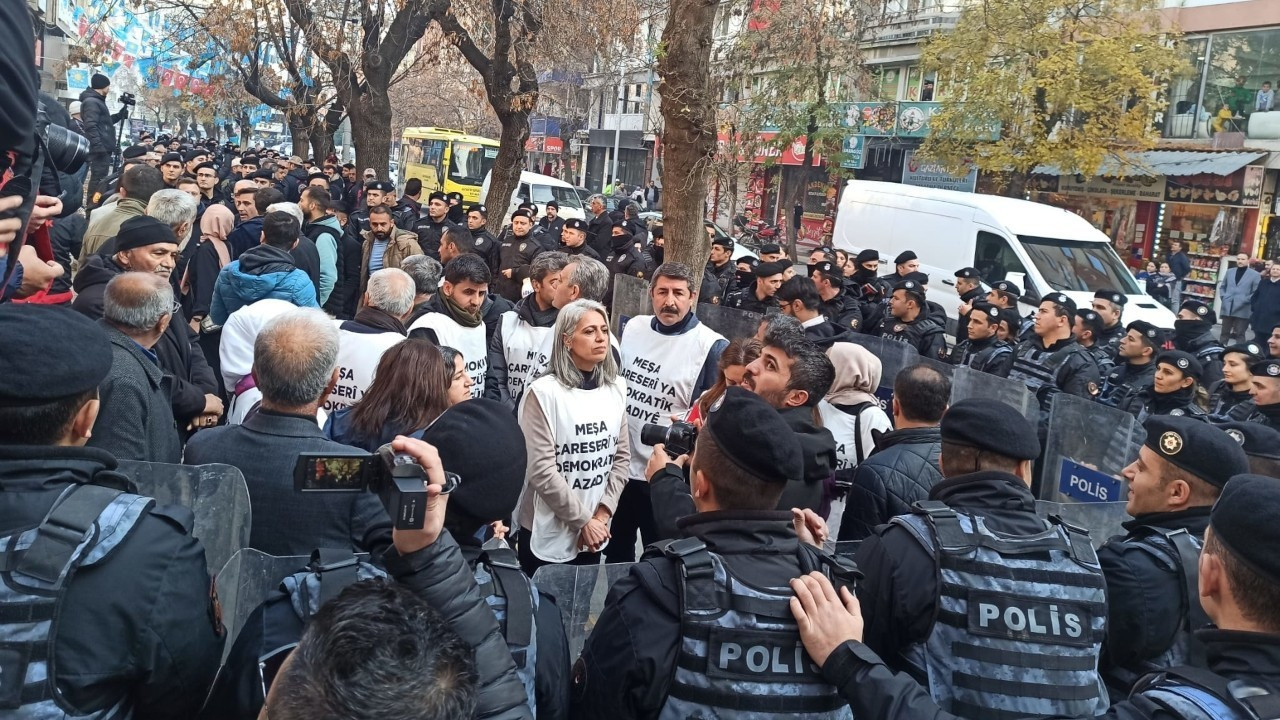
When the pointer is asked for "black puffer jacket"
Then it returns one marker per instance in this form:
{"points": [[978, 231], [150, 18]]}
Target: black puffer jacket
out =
{"points": [[900, 472]]}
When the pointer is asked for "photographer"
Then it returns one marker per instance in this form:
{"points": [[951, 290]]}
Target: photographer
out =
{"points": [[99, 126]]}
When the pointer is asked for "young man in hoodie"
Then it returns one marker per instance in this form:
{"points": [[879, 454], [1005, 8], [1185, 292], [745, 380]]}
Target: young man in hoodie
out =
{"points": [[521, 345], [264, 271]]}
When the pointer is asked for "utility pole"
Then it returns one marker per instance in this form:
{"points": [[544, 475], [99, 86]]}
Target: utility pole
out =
{"points": [[617, 123]]}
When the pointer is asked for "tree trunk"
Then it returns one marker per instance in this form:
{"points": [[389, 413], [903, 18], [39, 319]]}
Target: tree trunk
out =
{"points": [[689, 129], [246, 129], [300, 128], [371, 132], [211, 129], [505, 176], [322, 136]]}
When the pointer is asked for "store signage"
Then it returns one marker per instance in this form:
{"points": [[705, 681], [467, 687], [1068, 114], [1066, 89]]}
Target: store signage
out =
{"points": [[1242, 188], [1134, 188], [903, 119], [919, 172], [854, 149]]}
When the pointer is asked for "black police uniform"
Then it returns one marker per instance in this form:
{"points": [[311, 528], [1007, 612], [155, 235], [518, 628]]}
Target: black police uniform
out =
{"points": [[745, 299], [624, 259], [872, 294], [487, 247], [1102, 357], [515, 254], [723, 277], [844, 311], [357, 223], [1227, 404], [1064, 366], [962, 322], [584, 250], [923, 334], [1110, 337], [992, 355], [1126, 385], [429, 233], [1178, 404]]}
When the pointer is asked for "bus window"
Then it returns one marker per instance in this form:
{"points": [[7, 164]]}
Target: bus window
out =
{"points": [[423, 159], [470, 162]]}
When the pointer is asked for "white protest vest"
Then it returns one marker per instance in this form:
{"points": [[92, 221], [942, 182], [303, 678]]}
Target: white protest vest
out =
{"points": [[468, 341], [586, 426], [660, 371], [527, 350], [358, 357], [843, 427]]}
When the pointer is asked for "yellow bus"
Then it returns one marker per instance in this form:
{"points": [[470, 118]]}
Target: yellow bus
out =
{"points": [[446, 160]]}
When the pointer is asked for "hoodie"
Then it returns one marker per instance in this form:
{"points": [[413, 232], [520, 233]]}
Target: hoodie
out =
{"points": [[261, 272], [90, 284]]}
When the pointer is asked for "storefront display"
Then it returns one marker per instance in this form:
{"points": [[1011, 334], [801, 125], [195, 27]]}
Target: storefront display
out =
{"points": [[1208, 234]]}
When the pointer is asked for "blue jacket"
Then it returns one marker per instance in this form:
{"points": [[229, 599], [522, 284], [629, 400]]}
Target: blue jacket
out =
{"points": [[246, 235], [262, 272]]}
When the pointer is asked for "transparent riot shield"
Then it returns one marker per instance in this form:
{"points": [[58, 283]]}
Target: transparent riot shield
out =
{"points": [[579, 592], [969, 383], [1104, 520], [215, 494], [729, 322], [894, 356], [1087, 446], [630, 298], [246, 581], [946, 368]]}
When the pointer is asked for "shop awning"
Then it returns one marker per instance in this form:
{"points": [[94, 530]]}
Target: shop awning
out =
{"points": [[1155, 163]]}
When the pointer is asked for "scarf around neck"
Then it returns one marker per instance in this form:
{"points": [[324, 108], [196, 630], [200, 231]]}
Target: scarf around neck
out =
{"points": [[460, 316]]}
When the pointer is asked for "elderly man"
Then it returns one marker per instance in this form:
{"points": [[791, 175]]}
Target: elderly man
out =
{"points": [[377, 326], [295, 365], [135, 421]]}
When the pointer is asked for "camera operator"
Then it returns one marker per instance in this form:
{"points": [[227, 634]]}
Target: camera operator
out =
{"points": [[99, 126]]}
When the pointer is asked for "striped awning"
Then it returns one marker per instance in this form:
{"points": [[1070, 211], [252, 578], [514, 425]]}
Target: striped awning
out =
{"points": [[1155, 163]]}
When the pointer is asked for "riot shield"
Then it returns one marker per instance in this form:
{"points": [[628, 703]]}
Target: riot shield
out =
{"points": [[1104, 520], [729, 322], [215, 494], [969, 383], [245, 581], [630, 298], [1087, 446], [579, 592], [894, 356], [946, 368]]}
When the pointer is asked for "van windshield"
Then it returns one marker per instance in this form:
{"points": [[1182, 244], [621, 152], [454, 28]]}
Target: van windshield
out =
{"points": [[1079, 265], [565, 197]]}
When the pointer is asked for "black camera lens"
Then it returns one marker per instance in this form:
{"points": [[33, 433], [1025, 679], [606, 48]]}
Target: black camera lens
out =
{"points": [[67, 149]]}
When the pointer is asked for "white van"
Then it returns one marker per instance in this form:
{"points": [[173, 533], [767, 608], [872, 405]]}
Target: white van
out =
{"points": [[1039, 247], [540, 190]]}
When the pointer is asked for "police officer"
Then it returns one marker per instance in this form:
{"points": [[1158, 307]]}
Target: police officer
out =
{"points": [[758, 297], [1229, 398], [1239, 584], [969, 288], [1152, 603], [840, 302], [457, 213], [623, 258], [1127, 382], [908, 323], [1109, 305], [1266, 393], [1193, 333], [1004, 295], [573, 237], [1051, 361], [93, 622], [1261, 445], [431, 227], [1087, 329], [982, 350], [720, 268], [374, 191], [687, 631], [988, 606], [486, 245], [516, 252], [1175, 387]]}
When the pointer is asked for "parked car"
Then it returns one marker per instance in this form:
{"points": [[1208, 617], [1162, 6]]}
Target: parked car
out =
{"points": [[654, 217]]}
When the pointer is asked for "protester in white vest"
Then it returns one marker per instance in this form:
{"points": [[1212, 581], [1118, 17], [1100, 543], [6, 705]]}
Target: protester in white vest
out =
{"points": [[409, 391], [574, 423], [377, 327], [521, 346], [668, 359], [455, 316], [583, 277]]}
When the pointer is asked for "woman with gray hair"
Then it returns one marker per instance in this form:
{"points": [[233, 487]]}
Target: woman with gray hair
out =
{"points": [[575, 429]]}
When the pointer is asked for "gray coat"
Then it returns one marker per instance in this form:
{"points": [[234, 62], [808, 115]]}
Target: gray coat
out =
{"points": [[1236, 298], [286, 522], [135, 415]]}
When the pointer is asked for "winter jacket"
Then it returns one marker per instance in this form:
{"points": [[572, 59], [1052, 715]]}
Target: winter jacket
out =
{"points": [[262, 272], [105, 222], [901, 471], [98, 122], [1266, 307], [246, 235], [135, 420], [401, 245], [1237, 296], [326, 233]]}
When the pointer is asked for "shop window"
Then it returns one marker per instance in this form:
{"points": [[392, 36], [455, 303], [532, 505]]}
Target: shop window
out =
{"points": [[994, 258], [1239, 73]]}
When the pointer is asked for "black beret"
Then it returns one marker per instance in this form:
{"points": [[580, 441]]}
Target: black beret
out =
{"points": [[1251, 350], [825, 250], [1152, 334], [1243, 520], [826, 267], [991, 311], [753, 436], [769, 269], [754, 262], [992, 426], [1200, 448], [260, 175], [1266, 368], [206, 166], [1091, 320], [481, 441], [969, 273], [528, 205], [1111, 296], [1008, 288], [1258, 440], [194, 153], [770, 249], [575, 224], [723, 241], [170, 157], [905, 256], [49, 353], [552, 204], [478, 208], [912, 288], [867, 256], [522, 212], [142, 231], [249, 160], [134, 151], [1202, 311], [917, 276], [1061, 300], [380, 185], [437, 195], [455, 195], [1185, 362]]}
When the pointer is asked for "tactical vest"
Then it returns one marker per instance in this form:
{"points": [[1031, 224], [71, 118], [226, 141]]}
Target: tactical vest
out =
{"points": [[1178, 551], [470, 341], [983, 358], [1019, 622], [740, 651], [1190, 693], [526, 349], [1119, 389], [1038, 367], [85, 524], [513, 599]]}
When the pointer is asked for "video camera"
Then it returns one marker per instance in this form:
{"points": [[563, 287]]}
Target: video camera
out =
{"points": [[397, 479], [678, 437], [128, 99]]}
